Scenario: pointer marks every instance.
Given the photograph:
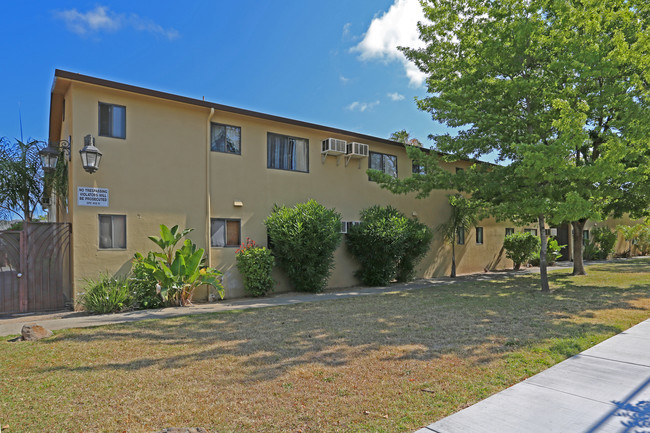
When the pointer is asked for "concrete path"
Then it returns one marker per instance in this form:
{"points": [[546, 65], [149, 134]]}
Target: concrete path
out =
{"points": [[604, 389], [11, 324]]}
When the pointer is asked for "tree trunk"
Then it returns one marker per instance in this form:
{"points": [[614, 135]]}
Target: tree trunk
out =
{"points": [[542, 256], [578, 264], [453, 258]]}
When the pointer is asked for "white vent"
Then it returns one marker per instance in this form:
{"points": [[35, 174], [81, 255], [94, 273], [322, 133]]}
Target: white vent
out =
{"points": [[333, 146], [358, 150]]}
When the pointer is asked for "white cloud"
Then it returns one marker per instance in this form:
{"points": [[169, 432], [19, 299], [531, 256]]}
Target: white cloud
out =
{"points": [[362, 106], [344, 80], [346, 30], [103, 19], [395, 96], [397, 27]]}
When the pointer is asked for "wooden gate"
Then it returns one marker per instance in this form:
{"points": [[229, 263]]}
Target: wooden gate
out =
{"points": [[35, 272]]}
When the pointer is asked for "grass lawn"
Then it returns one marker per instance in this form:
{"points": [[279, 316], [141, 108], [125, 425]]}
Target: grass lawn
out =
{"points": [[383, 363]]}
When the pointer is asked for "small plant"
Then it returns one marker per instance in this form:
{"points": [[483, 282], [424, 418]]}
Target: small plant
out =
{"points": [[387, 245], [106, 294], [303, 239], [255, 265], [601, 245], [143, 285], [552, 253], [178, 272], [521, 247]]}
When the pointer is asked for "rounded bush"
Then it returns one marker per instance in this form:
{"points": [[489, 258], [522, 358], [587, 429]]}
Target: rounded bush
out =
{"points": [[521, 247], [387, 245], [255, 265], [303, 239]]}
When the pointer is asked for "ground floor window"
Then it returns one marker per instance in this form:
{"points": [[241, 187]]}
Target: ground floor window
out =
{"points": [[460, 235], [225, 232], [531, 231], [112, 231], [510, 231], [585, 238], [479, 235]]}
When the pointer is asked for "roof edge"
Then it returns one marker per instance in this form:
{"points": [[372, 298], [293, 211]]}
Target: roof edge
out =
{"points": [[58, 73]]}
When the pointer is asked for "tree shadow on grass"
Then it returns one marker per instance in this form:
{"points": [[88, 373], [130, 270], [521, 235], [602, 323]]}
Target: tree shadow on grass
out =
{"points": [[483, 319]]}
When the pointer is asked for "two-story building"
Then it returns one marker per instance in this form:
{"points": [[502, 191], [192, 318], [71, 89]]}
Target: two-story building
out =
{"points": [[169, 159]]}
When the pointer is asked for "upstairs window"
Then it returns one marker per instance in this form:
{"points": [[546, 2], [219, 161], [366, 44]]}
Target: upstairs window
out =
{"points": [[225, 138], [383, 162], [287, 153], [112, 120], [418, 169]]}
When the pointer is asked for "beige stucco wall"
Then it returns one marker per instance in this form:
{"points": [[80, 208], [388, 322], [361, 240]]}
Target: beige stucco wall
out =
{"points": [[159, 175]]}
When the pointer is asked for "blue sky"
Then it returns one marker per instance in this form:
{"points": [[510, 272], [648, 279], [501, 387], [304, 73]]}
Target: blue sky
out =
{"points": [[332, 63]]}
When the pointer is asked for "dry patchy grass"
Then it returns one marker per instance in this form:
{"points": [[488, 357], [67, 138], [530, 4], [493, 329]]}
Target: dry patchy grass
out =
{"points": [[384, 363]]}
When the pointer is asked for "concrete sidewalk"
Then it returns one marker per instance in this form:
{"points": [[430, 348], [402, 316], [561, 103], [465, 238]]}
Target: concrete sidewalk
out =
{"points": [[604, 389]]}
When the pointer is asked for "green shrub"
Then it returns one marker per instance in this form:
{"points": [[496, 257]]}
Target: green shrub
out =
{"points": [[520, 247], [417, 243], [143, 285], [179, 271], [106, 294], [601, 244], [303, 240], [642, 240], [255, 265], [552, 253], [387, 245]]}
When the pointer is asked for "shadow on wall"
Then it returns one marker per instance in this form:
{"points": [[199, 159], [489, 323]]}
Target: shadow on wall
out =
{"points": [[493, 264]]}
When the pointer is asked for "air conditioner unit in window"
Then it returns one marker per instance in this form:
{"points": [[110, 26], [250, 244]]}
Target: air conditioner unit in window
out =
{"points": [[333, 146], [346, 225], [357, 150]]}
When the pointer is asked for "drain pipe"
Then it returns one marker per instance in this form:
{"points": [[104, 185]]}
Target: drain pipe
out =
{"points": [[208, 245]]}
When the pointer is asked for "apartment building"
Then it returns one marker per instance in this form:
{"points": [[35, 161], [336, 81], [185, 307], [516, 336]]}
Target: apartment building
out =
{"points": [[169, 159]]}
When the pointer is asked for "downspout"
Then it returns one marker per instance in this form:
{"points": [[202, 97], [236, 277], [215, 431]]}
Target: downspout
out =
{"points": [[208, 244]]}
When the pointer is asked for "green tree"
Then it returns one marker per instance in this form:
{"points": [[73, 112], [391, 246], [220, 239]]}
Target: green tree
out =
{"points": [[22, 181], [21, 178], [464, 215], [557, 90], [404, 137]]}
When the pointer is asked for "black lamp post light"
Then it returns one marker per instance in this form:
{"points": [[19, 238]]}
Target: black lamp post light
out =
{"points": [[90, 155]]}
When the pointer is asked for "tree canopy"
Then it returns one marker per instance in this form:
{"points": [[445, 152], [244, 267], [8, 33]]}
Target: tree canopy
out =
{"points": [[22, 181], [557, 89]]}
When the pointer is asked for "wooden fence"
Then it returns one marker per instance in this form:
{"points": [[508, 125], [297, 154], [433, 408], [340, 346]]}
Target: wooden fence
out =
{"points": [[35, 273]]}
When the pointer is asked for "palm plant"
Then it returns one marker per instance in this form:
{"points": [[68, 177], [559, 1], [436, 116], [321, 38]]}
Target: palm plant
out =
{"points": [[464, 215]]}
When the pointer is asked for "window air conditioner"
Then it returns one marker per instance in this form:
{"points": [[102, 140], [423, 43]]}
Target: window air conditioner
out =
{"points": [[333, 146], [358, 150]]}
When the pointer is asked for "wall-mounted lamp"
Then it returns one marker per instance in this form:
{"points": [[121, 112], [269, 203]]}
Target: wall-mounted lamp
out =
{"points": [[90, 155], [50, 154]]}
